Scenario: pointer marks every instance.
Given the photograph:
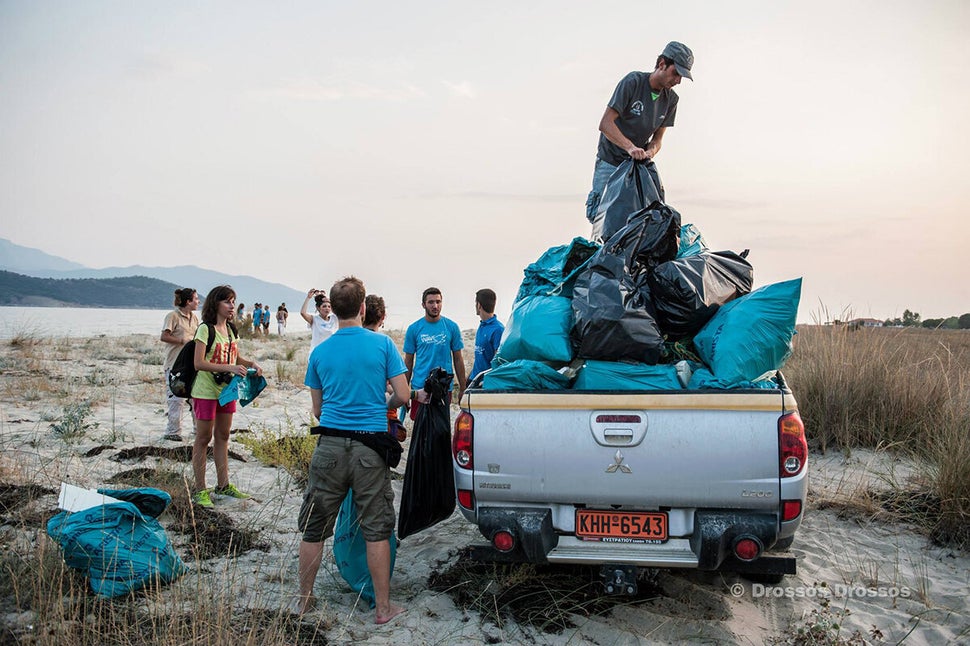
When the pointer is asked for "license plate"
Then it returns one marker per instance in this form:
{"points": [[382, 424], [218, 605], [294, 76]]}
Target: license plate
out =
{"points": [[621, 526]]}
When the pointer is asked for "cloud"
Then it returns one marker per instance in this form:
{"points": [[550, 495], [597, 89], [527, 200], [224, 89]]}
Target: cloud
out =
{"points": [[462, 89], [316, 91], [158, 65], [504, 197]]}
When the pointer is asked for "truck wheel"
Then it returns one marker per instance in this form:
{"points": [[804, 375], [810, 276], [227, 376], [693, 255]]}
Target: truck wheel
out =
{"points": [[764, 579], [783, 544]]}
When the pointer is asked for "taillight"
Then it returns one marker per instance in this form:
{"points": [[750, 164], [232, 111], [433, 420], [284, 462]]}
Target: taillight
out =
{"points": [[790, 509], [466, 499], [461, 441], [793, 447], [503, 540], [747, 548]]}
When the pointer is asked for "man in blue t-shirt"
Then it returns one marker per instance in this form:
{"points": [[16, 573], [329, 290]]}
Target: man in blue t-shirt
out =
{"points": [[641, 109], [347, 377], [489, 334], [432, 341]]}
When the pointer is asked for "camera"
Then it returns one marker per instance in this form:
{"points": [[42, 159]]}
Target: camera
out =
{"points": [[222, 378]]}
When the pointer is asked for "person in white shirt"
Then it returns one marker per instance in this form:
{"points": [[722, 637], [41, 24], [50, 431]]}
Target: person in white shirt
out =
{"points": [[323, 323]]}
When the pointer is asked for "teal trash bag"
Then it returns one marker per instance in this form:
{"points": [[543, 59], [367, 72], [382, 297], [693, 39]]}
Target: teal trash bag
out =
{"points": [[619, 375], [538, 330], [120, 546], [751, 336], [704, 379], [555, 271], [350, 550], [525, 375], [691, 241], [245, 389]]}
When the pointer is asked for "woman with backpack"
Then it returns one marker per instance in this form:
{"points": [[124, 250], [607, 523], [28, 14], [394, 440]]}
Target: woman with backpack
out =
{"points": [[179, 328], [216, 368]]}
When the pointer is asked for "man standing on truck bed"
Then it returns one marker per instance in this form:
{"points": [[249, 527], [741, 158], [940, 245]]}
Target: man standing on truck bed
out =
{"points": [[432, 341], [641, 109]]}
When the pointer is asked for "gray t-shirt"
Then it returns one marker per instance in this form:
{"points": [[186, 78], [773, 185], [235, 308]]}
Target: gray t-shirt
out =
{"points": [[640, 115]]}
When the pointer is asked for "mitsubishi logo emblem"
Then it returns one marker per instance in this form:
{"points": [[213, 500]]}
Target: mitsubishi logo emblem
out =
{"points": [[618, 464]]}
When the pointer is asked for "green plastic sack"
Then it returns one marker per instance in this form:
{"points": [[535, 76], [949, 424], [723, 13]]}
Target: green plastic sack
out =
{"points": [[525, 375], [750, 337], [618, 375], [555, 271], [691, 241], [538, 330], [350, 550]]}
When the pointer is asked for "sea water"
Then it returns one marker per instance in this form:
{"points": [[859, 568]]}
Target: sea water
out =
{"points": [[94, 321]]}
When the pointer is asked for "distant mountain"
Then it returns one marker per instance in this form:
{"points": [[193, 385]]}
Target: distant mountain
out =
{"points": [[24, 260], [249, 290], [131, 291]]}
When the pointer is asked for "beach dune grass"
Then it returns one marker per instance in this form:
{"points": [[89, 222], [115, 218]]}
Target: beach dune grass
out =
{"points": [[905, 390]]}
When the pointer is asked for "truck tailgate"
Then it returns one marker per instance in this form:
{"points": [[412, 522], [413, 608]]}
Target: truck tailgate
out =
{"points": [[644, 450]]}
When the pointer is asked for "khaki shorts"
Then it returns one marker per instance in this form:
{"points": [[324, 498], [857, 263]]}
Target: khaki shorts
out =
{"points": [[339, 464]]}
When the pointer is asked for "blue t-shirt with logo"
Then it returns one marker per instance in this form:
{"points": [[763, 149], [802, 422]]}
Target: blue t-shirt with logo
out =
{"points": [[352, 369], [487, 340], [432, 345]]}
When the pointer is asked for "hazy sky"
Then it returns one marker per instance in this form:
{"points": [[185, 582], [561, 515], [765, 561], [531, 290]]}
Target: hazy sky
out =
{"points": [[451, 143]]}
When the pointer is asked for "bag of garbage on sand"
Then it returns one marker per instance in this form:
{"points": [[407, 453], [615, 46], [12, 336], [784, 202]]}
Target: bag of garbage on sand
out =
{"points": [[537, 330], [750, 337], [688, 291], [119, 546], [556, 269], [350, 551], [525, 375], [633, 186], [428, 495]]}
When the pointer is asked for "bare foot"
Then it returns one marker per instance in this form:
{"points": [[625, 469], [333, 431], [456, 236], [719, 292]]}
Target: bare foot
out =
{"points": [[392, 611], [302, 605]]}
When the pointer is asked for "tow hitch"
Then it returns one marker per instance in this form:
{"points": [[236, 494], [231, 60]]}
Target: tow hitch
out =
{"points": [[619, 579]]}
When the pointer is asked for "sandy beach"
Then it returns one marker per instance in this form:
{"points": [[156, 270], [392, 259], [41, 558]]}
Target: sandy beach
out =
{"points": [[883, 581]]}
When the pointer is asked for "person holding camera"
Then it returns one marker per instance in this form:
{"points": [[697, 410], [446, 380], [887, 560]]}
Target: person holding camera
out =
{"points": [[216, 368], [323, 323]]}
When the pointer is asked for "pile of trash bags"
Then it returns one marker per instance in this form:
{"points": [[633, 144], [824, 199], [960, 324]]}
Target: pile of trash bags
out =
{"points": [[652, 307]]}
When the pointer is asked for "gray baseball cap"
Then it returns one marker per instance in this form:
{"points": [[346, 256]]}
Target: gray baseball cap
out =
{"points": [[682, 57]]}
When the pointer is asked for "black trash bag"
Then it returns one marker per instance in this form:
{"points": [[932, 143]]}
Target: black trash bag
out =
{"points": [[428, 496], [614, 313], [633, 186], [650, 238], [688, 291]]}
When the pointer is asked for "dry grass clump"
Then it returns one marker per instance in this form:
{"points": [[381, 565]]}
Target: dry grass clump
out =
{"points": [[907, 390], [291, 450], [540, 596]]}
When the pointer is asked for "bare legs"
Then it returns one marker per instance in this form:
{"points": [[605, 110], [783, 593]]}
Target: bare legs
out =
{"points": [[204, 432], [378, 563]]}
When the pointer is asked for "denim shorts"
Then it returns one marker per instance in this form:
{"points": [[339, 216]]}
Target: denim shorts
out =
{"points": [[339, 464]]}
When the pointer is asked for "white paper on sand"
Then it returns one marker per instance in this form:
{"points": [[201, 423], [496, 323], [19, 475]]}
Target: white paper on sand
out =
{"points": [[77, 499]]}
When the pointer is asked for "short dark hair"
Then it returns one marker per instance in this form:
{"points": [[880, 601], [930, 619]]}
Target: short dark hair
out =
{"points": [[183, 296], [210, 309], [374, 310], [428, 292], [486, 298], [668, 61], [346, 297]]}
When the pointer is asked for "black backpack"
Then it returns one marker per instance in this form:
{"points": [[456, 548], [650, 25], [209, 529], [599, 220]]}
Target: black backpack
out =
{"points": [[182, 375]]}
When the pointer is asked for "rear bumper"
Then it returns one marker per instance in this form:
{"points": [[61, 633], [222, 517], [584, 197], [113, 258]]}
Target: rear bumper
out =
{"points": [[710, 547]]}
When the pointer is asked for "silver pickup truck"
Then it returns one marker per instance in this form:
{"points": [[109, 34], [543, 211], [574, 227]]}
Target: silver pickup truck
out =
{"points": [[705, 479]]}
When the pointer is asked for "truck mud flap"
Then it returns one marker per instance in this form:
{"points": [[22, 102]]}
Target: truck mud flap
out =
{"points": [[716, 531], [532, 528]]}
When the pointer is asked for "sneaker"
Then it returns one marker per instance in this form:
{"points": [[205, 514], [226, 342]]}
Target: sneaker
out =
{"points": [[231, 491], [172, 437], [202, 499]]}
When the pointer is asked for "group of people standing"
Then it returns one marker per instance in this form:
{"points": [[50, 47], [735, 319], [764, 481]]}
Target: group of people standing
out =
{"points": [[355, 375], [357, 381], [261, 317]]}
